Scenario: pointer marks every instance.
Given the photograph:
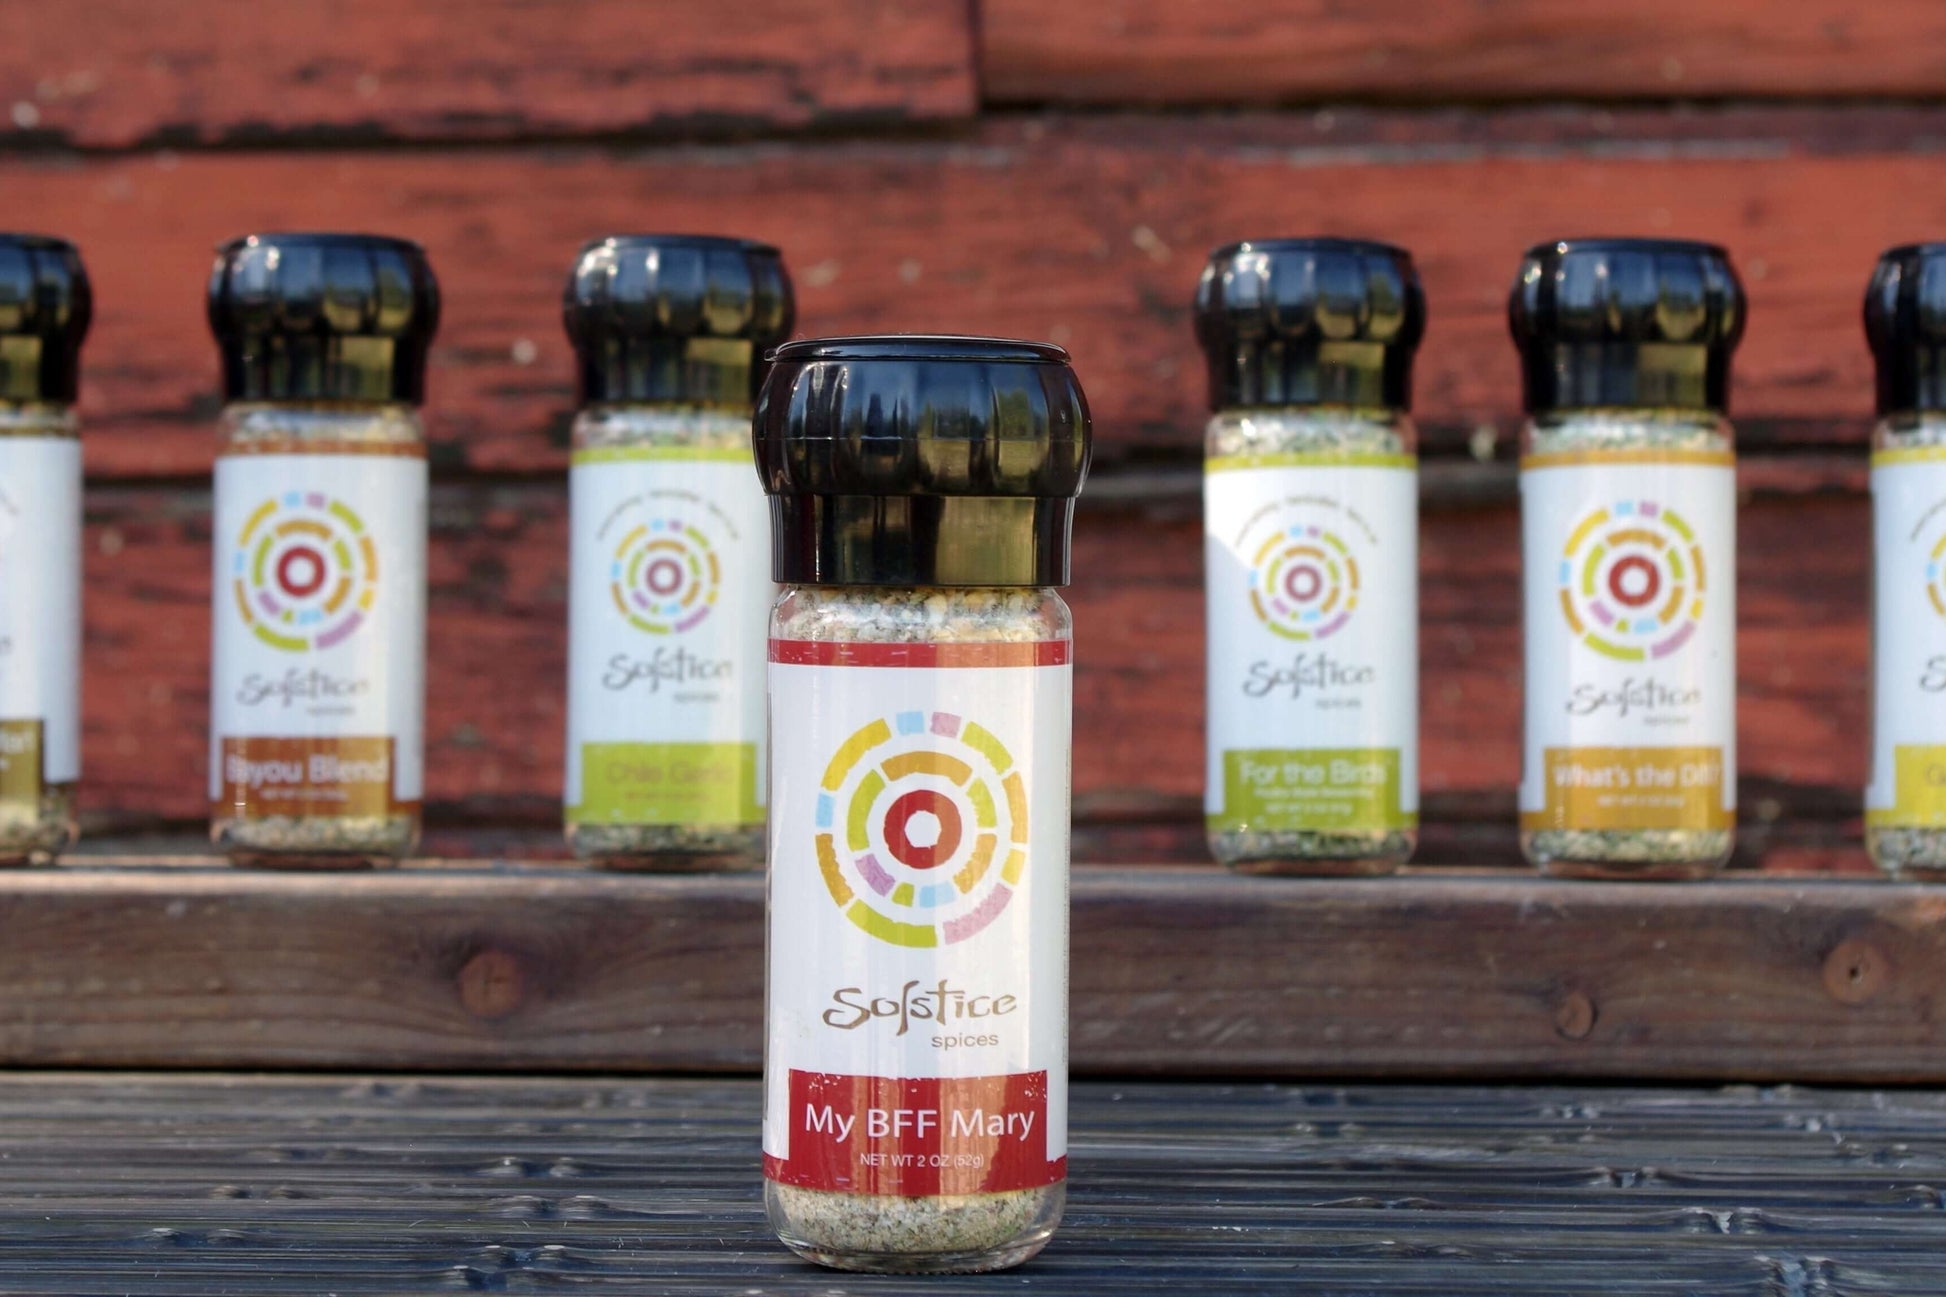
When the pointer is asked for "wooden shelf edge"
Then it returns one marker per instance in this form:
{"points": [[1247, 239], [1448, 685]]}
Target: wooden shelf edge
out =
{"points": [[473, 965]]}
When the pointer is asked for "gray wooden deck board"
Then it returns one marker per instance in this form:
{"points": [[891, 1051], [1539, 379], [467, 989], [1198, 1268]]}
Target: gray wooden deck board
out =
{"points": [[226, 1184]]}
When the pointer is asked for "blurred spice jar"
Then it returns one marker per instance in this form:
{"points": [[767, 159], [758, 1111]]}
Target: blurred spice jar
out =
{"points": [[45, 306], [1628, 534], [669, 587], [317, 675], [1311, 545]]}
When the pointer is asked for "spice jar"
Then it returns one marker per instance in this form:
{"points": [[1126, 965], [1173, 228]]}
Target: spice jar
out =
{"points": [[317, 678], [670, 592], [1905, 803], [1628, 538], [915, 1113], [1311, 546], [45, 305]]}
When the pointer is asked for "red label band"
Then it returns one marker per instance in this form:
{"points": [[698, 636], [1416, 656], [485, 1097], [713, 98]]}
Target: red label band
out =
{"points": [[852, 653], [917, 1138]]}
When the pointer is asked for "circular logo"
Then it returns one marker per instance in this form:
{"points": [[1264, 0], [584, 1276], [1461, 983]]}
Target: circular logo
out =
{"points": [[922, 828], [1632, 580], [1304, 582], [1936, 576], [664, 576], [305, 571]]}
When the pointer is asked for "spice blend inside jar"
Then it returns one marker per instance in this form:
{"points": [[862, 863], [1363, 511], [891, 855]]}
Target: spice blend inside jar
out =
{"points": [[670, 590], [1905, 803], [1628, 527], [317, 677], [45, 305], [1311, 545], [915, 1114]]}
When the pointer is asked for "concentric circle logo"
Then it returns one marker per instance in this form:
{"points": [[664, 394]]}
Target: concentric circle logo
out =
{"points": [[922, 828], [1304, 582], [305, 571], [1936, 576], [1632, 580], [665, 576]]}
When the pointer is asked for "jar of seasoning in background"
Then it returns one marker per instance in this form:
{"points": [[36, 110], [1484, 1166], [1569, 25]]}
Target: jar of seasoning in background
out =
{"points": [[1628, 534], [670, 591], [1905, 804], [922, 488], [1311, 509], [45, 306], [317, 679]]}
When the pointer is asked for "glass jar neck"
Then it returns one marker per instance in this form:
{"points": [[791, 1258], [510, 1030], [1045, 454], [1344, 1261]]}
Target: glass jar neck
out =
{"points": [[1911, 425], [38, 419]]}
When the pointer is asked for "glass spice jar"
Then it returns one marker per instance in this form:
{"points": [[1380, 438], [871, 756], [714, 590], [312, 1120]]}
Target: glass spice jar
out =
{"points": [[922, 489], [1311, 543], [317, 675], [1905, 802], [45, 307], [669, 593], [1628, 534]]}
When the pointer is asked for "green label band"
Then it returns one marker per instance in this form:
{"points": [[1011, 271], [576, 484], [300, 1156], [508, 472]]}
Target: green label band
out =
{"points": [[668, 783], [664, 454], [1316, 790]]}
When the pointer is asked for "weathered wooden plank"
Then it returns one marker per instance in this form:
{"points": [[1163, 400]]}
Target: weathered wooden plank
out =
{"points": [[1087, 231], [1172, 52], [1174, 971], [193, 1185], [122, 73], [497, 641]]}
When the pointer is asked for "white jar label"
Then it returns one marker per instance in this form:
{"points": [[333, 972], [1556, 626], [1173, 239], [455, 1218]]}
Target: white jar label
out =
{"points": [[1312, 581], [668, 599], [1908, 780], [918, 917], [1629, 564], [317, 676], [40, 615]]}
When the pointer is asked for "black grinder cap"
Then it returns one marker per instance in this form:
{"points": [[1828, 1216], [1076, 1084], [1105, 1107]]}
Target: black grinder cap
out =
{"points": [[1626, 323], [675, 318], [1310, 322], [323, 317], [45, 307], [1905, 322], [914, 460]]}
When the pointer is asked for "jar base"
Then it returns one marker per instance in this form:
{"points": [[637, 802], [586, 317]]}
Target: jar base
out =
{"points": [[1916, 873], [1914, 855], [311, 862], [1015, 1253], [1286, 867], [1624, 871], [676, 862]]}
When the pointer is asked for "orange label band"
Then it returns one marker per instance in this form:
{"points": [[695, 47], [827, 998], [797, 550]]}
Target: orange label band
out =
{"points": [[1632, 788], [337, 777]]}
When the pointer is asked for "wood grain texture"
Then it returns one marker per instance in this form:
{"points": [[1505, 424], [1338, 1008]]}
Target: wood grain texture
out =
{"points": [[1090, 232], [1174, 971], [122, 73], [196, 1185], [1281, 51], [497, 641]]}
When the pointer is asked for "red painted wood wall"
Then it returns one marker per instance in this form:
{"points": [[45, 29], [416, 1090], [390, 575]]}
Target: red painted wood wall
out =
{"points": [[1050, 170]]}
